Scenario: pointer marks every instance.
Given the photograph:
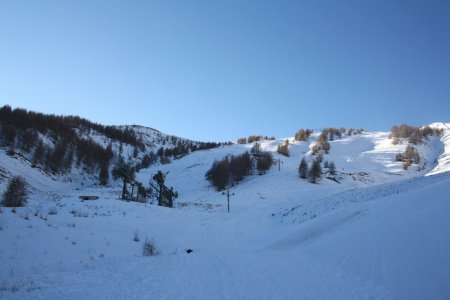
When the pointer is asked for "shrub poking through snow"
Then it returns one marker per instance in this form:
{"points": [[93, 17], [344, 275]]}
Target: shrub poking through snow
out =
{"points": [[136, 237], [149, 248], [37, 211], [52, 211]]}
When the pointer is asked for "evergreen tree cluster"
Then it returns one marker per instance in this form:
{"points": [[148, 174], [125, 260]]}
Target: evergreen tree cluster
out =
{"points": [[353, 131], [183, 147], [229, 170], [303, 135], [57, 143], [242, 141], [321, 143], [409, 157], [262, 159], [283, 149], [21, 124], [16, 193], [415, 135], [232, 169], [53, 141], [333, 133], [264, 162], [254, 138], [330, 170], [313, 172]]}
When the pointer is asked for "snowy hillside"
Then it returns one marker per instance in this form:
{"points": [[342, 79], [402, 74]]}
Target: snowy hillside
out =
{"points": [[73, 149], [382, 232], [443, 164]]}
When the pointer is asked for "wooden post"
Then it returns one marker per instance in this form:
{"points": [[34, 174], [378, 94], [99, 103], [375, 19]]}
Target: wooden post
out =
{"points": [[124, 189]]}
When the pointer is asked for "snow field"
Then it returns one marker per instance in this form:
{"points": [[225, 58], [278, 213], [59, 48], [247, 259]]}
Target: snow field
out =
{"points": [[383, 233]]}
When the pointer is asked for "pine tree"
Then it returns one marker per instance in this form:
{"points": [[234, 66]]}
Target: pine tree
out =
{"points": [[332, 169], [68, 160], [219, 174], [315, 149], [264, 162], [315, 172], [284, 149], [326, 146], [256, 149], [39, 152], [57, 157], [16, 193], [103, 177], [303, 169]]}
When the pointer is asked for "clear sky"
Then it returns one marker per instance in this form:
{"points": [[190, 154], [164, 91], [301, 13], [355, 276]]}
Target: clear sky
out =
{"points": [[219, 70]]}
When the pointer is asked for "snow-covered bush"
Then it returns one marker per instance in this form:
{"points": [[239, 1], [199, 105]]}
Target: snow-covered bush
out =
{"points": [[79, 214]]}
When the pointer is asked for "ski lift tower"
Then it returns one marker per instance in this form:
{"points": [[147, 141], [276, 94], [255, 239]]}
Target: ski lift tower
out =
{"points": [[166, 196]]}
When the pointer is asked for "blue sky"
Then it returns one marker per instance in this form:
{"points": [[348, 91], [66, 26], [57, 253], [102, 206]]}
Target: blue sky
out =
{"points": [[219, 70]]}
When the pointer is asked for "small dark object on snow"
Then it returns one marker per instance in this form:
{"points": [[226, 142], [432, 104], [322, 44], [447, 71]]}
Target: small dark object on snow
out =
{"points": [[189, 250], [88, 198]]}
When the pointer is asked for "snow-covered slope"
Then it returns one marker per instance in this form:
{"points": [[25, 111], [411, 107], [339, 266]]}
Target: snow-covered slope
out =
{"points": [[400, 242], [38, 181], [443, 163], [381, 233], [77, 176]]}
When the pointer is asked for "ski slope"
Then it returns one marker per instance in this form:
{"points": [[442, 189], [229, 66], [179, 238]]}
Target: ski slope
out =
{"points": [[382, 233]]}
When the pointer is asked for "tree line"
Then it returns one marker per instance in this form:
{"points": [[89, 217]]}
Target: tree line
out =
{"points": [[57, 143], [414, 135], [53, 142], [255, 138]]}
